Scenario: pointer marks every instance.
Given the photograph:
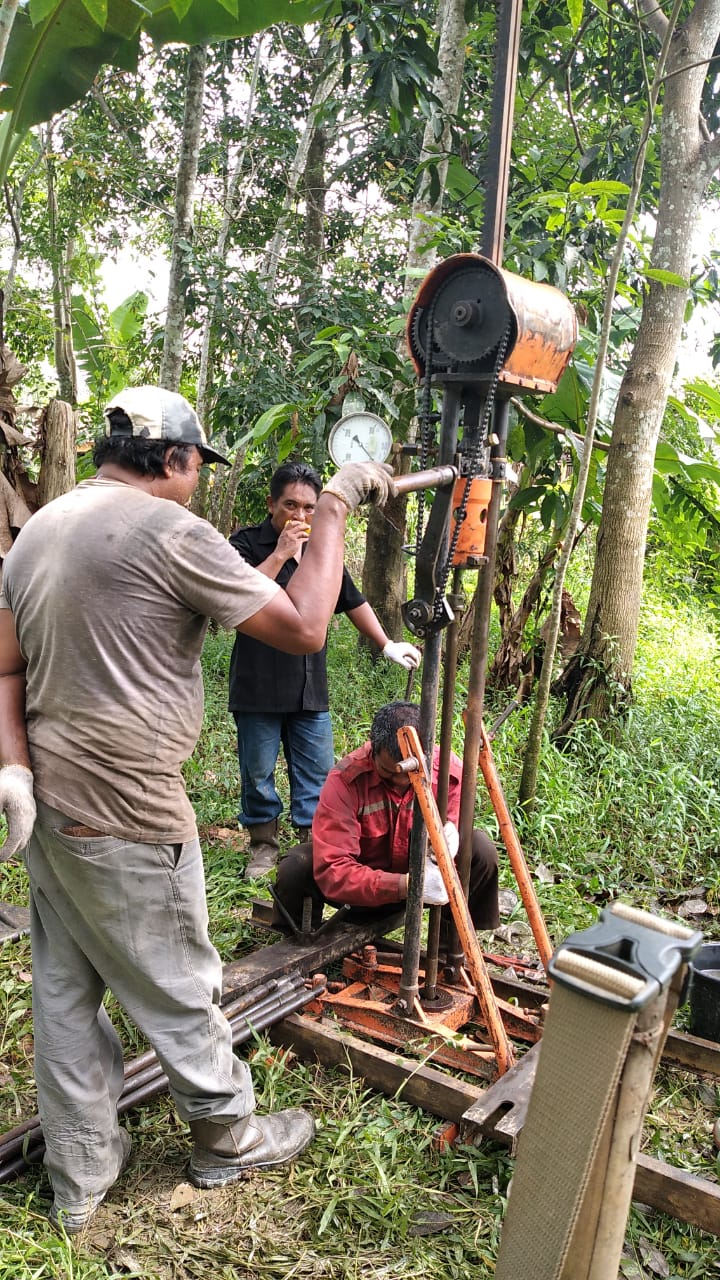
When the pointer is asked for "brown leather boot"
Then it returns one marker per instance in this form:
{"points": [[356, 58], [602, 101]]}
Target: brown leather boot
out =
{"points": [[225, 1153], [264, 849]]}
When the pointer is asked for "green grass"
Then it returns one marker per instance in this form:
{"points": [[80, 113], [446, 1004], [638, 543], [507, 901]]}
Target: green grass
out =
{"points": [[636, 818]]}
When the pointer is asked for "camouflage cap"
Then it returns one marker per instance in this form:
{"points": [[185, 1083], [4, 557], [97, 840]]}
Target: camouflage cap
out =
{"points": [[157, 414]]}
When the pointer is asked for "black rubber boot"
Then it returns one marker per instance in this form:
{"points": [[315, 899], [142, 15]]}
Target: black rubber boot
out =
{"points": [[225, 1153], [264, 849]]}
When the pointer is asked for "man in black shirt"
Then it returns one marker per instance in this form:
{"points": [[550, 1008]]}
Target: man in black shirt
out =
{"points": [[282, 698]]}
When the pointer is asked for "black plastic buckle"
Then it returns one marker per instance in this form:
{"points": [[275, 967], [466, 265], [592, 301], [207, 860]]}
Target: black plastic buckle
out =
{"points": [[632, 948]]}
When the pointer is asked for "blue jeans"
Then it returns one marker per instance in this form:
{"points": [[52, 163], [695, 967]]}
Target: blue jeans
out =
{"points": [[307, 742]]}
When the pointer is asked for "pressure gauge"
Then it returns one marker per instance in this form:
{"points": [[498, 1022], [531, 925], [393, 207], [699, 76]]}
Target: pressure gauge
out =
{"points": [[359, 437]]}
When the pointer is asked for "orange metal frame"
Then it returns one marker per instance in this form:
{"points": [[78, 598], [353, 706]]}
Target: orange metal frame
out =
{"points": [[515, 853], [368, 999]]}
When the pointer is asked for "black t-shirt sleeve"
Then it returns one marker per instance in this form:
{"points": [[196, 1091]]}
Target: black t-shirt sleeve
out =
{"points": [[246, 544], [350, 598]]}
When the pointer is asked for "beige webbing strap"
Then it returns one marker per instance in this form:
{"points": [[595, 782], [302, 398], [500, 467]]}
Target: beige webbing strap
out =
{"points": [[583, 1123]]}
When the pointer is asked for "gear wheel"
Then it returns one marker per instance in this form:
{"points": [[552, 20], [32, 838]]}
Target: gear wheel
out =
{"points": [[470, 316]]}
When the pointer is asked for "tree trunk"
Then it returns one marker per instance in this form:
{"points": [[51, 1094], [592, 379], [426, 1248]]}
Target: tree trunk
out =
{"points": [[325, 89], [600, 675], [14, 198], [453, 29], [229, 216], [60, 257], [172, 358], [314, 238], [57, 451], [384, 574], [383, 578], [510, 662]]}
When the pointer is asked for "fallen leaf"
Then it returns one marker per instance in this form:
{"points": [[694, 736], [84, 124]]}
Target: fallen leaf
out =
{"points": [[512, 932], [693, 907], [507, 901], [653, 1258], [430, 1224], [128, 1261], [183, 1194]]}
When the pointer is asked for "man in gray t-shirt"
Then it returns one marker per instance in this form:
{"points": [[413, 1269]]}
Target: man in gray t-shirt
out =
{"points": [[106, 598]]}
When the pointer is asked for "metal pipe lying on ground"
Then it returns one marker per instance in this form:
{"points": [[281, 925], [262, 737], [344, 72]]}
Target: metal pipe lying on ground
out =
{"points": [[144, 1076], [274, 995]]}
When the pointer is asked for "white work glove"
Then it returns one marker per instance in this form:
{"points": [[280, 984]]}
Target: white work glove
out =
{"points": [[404, 654], [434, 892], [18, 804], [452, 838], [358, 482]]}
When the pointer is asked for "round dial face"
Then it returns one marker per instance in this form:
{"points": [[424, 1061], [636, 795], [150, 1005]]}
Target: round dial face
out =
{"points": [[359, 437]]}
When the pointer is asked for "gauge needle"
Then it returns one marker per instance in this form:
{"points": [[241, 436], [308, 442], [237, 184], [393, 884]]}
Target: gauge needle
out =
{"points": [[362, 446]]}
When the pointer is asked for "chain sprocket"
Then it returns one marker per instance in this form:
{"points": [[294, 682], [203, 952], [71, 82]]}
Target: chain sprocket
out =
{"points": [[471, 314]]}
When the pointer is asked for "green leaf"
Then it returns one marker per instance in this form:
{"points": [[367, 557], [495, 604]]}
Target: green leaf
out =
{"points": [[705, 391], [386, 401], [210, 20], [40, 9], [127, 319], [329, 332], [668, 461], [667, 277], [327, 1215], [527, 497], [575, 13], [270, 419], [55, 50], [180, 8], [315, 357], [50, 65], [599, 187], [98, 10], [87, 335]]}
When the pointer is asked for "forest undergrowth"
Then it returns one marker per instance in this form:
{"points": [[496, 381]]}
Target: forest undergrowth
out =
{"points": [[636, 817]]}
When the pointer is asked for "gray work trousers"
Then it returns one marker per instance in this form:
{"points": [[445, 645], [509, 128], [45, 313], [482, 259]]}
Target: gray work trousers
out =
{"points": [[107, 913]]}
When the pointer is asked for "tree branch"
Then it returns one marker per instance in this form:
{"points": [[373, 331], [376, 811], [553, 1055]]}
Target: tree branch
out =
{"points": [[653, 17], [528, 414]]}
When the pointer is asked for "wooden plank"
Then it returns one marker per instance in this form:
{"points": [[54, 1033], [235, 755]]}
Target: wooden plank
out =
{"points": [[673, 1191], [691, 1052], [679, 1193], [309, 957], [388, 1072]]}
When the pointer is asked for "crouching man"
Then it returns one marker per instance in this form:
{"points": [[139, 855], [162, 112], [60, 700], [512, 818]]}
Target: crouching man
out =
{"points": [[361, 836]]}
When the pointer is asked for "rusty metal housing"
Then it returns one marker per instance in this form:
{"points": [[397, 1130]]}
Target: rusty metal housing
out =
{"points": [[469, 304]]}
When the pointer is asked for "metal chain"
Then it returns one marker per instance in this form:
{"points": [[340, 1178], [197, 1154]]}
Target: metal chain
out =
{"points": [[425, 424], [472, 471]]}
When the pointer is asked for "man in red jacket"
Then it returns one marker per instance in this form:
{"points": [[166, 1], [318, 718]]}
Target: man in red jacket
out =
{"points": [[361, 836]]}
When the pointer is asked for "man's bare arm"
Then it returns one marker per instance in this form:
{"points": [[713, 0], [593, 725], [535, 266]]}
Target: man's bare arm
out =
{"points": [[296, 620], [13, 735]]}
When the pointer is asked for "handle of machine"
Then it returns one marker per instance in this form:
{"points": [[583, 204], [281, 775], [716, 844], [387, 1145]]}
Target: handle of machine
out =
{"points": [[435, 478]]}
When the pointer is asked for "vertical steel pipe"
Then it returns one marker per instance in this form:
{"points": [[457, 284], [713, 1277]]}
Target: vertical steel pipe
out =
{"points": [[479, 651], [408, 988], [507, 46]]}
